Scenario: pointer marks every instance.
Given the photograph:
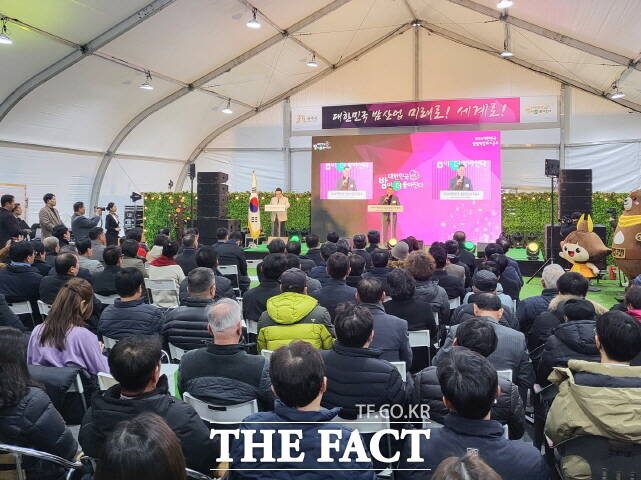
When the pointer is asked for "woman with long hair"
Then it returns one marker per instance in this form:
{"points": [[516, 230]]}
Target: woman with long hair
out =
{"points": [[166, 268], [27, 416], [143, 448], [63, 339], [112, 224], [468, 467]]}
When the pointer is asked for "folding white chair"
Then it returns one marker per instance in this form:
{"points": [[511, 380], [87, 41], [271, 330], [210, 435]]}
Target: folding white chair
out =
{"points": [[421, 338], [43, 308], [507, 374], [402, 369], [266, 353], [21, 308], [430, 424], [224, 414], [175, 352], [252, 326], [106, 381], [455, 303], [170, 369], [514, 306], [231, 272], [107, 299], [436, 318], [368, 423], [78, 387], [158, 286], [19, 452], [109, 342]]}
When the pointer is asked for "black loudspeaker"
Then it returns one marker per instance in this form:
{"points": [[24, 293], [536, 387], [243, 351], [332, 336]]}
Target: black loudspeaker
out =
{"points": [[212, 177], [207, 227], [212, 189], [552, 167], [600, 230], [192, 170], [575, 192]]}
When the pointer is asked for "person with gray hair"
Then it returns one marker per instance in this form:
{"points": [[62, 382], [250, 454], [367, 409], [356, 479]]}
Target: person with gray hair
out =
{"points": [[223, 373], [186, 326], [530, 308], [52, 248]]}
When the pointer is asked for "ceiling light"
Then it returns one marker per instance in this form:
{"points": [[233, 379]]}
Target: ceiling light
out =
{"points": [[253, 22], [4, 36], [146, 85], [313, 63], [617, 94], [227, 110], [506, 54], [505, 4]]}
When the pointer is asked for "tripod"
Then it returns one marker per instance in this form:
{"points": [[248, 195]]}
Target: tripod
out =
{"points": [[550, 259]]}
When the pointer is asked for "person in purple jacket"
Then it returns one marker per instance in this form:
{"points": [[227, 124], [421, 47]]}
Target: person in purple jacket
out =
{"points": [[63, 340]]}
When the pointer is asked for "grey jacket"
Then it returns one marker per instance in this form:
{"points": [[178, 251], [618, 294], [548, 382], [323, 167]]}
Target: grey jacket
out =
{"points": [[428, 291], [80, 226]]}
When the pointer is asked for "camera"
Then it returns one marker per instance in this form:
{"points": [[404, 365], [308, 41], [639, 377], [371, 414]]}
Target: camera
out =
{"points": [[100, 208]]}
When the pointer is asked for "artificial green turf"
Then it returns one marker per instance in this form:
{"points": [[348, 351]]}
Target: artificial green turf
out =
{"points": [[606, 297]]}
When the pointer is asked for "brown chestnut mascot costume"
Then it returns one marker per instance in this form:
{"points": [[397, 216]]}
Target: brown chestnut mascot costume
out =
{"points": [[583, 247], [626, 242]]}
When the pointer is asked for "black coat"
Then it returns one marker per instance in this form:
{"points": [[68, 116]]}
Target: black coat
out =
{"points": [[9, 227], [82, 273], [541, 329], [390, 335], [353, 280], [357, 376], [110, 225], [468, 259], [51, 285], [7, 317], [418, 314], [231, 254], [42, 267], [104, 283], [35, 423], [186, 326], [135, 317], [187, 260], [569, 341], [451, 284], [508, 408], [333, 293], [107, 410], [306, 264], [380, 274], [315, 255], [366, 256], [19, 283], [224, 288], [466, 311], [529, 308], [320, 273], [255, 299]]}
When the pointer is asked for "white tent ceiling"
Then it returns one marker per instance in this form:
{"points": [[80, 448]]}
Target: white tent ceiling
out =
{"points": [[70, 78]]}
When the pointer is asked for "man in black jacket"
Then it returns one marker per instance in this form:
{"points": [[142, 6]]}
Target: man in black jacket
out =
{"points": [[313, 252], [360, 242], [186, 326], [306, 264], [454, 287], [357, 379], [82, 272], [39, 260], [19, 281], [52, 248], [356, 270], [135, 364], [255, 300], [230, 253], [208, 258], [379, 269], [479, 336], [129, 315], [373, 238], [187, 258], [336, 290], [529, 308], [320, 272], [223, 373], [464, 256], [104, 283], [9, 227]]}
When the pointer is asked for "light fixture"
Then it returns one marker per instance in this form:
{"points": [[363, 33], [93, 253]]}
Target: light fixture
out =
{"points": [[313, 63], [532, 251], [506, 54], [253, 22], [416, 23], [146, 85], [507, 43], [469, 246], [617, 94], [504, 4], [517, 239], [227, 110], [135, 196], [4, 35]]}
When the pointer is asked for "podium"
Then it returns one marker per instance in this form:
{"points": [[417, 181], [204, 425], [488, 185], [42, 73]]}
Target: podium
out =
{"points": [[274, 208], [278, 228], [385, 208], [388, 221]]}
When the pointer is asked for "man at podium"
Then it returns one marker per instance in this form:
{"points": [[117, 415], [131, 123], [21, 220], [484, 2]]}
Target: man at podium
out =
{"points": [[389, 218], [278, 219]]}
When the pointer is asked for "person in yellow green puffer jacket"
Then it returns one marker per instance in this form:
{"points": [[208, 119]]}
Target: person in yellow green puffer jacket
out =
{"points": [[293, 315]]}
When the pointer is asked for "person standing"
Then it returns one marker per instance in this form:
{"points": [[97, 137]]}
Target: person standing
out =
{"points": [[112, 224], [23, 226], [460, 181], [80, 225], [48, 216], [389, 218], [278, 219], [8, 223]]}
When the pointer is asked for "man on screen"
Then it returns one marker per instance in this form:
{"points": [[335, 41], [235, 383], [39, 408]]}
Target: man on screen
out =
{"points": [[389, 218], [460, 181], [346, 182], [278, 219]]}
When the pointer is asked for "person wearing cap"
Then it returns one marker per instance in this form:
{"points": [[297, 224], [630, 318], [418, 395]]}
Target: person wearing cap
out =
{"points": [[572, 340], [484, 281], [294, 315], [335, 290], [400, 251]]}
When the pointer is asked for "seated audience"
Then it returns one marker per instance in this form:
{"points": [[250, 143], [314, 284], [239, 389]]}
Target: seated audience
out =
{"points": [[412, 242], [63, 339], [7, 317], [27, 416], [355, 373], [485, 281], [186, 326], [600, 399], [104, 283], [294, 248], [294, 315], [187, 257], [373, 240], [421, 265], [19, 281], [405, 305], [293, 261], [160, 241], [82, 272], [230, 253], [320, 272], [277, 245], [130, 258], [40, 258], [570, 285], [222, 372], [85, 252], [633, 302], [335, 290], [478, 335], [298, 377], [470, 388], [332, 237], [356, 270], [511, 351], [464, 256], [98, 243], [454, 266], [135, 364], [399, 253], [453, 286], [136, 234], [129, 315], [63, 235], [144, 447], [52, 247], [380, 268], [468, 467], [572, 340], [195, 233], [313, 250], [505, 243], [343, 247], [165, 268], [208, 258], [390, 332], [255, 299], [509, 278], [360, 241]]}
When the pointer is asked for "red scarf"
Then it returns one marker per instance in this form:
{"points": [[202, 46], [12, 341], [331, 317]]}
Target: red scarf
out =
{"points": [[163, 261], [636, 314]]}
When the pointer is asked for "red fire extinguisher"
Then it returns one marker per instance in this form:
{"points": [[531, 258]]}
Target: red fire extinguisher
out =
{"points": [[613, 272]]}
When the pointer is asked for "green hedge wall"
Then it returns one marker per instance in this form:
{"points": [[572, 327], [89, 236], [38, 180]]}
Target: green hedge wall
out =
{"points": [[522, 212]]}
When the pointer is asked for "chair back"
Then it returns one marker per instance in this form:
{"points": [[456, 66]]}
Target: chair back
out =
{"points": [[507, 374], [252, 326], [43, 308], [608, 459], [228, 270], [163, 286], [401, 367], [231, 272], [419, 338], [21, 308], [175, 352], [19, 452], [455, 303], [266, 353], [367, 423], [225, 414], [106, 381], [107, 299], [109, 342]]}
